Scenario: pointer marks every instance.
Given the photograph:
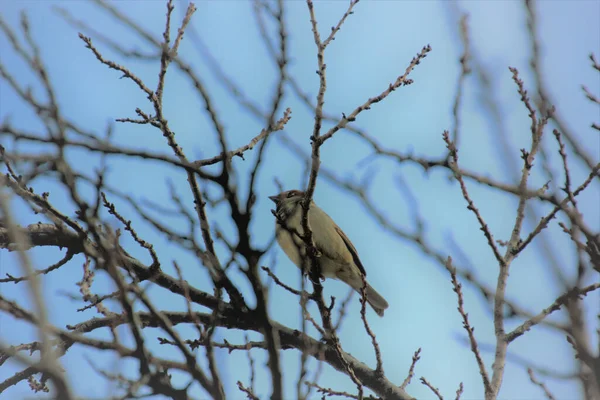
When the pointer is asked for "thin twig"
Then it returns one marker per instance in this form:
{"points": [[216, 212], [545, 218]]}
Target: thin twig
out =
{"points": [[363, 315], [411, 371], [540, 384], [466, 324], [435, 390]]}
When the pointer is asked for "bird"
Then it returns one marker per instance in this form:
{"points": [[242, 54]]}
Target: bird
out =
{"points": [[337, 256]]}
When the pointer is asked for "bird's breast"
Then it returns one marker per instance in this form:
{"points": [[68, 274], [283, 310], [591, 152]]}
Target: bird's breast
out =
{"points": [[334, 252]]}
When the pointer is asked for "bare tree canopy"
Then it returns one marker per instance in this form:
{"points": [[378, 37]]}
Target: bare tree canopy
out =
{"points": [[456, 145]]}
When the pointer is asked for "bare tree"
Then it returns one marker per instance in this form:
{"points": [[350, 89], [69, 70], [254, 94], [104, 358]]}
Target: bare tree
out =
{"points": [[175, 289]]}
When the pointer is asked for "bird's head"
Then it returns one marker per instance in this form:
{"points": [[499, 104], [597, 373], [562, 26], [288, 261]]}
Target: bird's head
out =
{"points": [[286, 202]]}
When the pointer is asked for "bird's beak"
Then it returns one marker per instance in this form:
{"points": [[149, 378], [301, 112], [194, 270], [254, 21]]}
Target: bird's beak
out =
{"points": [[274, 199]]}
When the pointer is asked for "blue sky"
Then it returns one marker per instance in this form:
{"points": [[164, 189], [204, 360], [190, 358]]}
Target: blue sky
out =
{"points": [[372, 49]]}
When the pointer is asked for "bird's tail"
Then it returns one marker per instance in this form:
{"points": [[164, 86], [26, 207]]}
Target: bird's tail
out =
{"points": [[375, 300]]}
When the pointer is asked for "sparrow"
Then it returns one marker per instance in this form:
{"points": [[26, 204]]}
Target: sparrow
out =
{"points": [[337, 256]]}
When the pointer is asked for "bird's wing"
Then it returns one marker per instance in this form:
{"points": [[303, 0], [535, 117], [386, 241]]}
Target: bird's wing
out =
{"points": [[351, 249]]}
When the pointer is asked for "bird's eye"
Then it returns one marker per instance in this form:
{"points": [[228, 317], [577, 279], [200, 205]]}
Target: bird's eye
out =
{"points": [[290, 194]]}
